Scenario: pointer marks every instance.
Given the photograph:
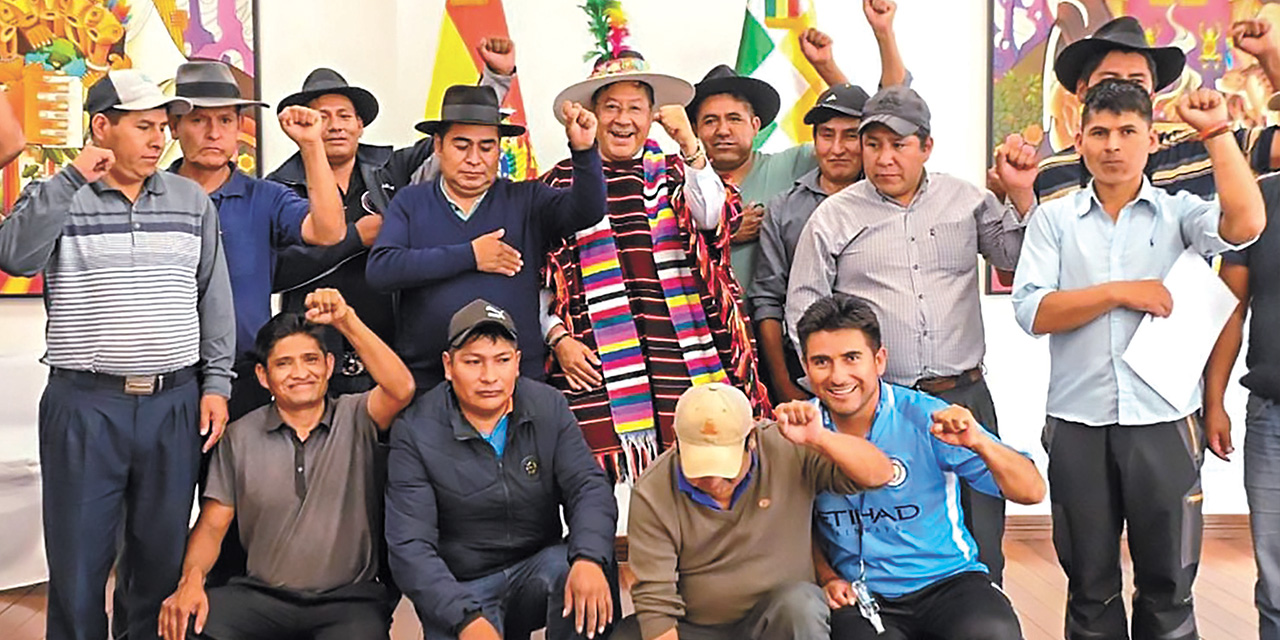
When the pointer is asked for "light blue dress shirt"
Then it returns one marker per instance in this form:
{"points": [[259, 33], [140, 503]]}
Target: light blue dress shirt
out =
{"points": [[1071, 243]]}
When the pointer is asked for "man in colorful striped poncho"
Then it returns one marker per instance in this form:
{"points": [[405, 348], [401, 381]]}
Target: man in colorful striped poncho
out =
{"points": [[644, 304]]}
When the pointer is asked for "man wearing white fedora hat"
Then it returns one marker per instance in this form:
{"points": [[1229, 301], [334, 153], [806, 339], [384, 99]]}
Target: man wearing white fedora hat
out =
{"points": [[663, 247]]}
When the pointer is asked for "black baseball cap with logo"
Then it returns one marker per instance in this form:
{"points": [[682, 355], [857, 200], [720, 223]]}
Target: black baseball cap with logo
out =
{"points": [[479, 313], [847, 100]]}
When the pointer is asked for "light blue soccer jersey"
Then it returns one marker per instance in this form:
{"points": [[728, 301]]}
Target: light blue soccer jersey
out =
{"points": [[914, 528]]}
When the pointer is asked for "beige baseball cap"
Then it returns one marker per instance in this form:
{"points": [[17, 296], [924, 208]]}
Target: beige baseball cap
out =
{"points": [[712, 424]]}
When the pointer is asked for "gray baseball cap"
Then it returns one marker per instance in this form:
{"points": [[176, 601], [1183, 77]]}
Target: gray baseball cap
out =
{"points": [[477, 314], [898, 107], [129, 90]]}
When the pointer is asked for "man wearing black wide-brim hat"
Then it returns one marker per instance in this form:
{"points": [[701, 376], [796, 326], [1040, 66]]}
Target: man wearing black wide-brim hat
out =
{"points": [[368, 176], [1119, 49], [729, 111], [468, 233]]}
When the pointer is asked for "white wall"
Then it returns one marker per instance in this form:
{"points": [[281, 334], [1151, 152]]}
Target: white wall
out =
{"points": [[388, 47]]}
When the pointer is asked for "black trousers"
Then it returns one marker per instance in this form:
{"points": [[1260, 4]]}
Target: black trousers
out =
{"points": [[964, 607], [1102, 478], [118, 472], [248, 610], [983, 514]]}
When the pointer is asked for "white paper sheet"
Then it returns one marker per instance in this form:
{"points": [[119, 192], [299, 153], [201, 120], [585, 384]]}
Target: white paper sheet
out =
{"points": [[1170, 353]]}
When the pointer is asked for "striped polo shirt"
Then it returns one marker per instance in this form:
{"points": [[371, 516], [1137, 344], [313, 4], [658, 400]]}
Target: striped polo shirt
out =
{"points": [[131, 288], [1180, 164]]}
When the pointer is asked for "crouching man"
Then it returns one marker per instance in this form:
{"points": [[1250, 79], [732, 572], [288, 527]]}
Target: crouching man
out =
{"points": [[719, 529], [299, 475], [480, 467]]}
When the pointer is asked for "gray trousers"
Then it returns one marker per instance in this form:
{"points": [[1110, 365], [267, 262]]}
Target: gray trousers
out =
{"points": [[792, 612], [1148, 477], [983, 514]]}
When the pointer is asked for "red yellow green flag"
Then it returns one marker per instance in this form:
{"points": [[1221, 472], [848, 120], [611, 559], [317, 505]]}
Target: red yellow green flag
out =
{"points": [[465, 24]]}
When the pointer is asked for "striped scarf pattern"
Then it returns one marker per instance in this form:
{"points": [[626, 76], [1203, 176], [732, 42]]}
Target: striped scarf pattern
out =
{"points": [[608, 308]]}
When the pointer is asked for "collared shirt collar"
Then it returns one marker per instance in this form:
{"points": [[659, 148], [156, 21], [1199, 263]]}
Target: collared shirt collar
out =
{"points": [[154, 184], [1088, 197], [810, 181], [236, 185], [464, 214], [920, 191], [274, 422], [703, 498]]}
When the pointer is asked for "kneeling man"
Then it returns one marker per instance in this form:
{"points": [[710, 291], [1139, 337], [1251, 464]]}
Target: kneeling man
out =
{"points": [[480, 467], [298, 474], [905, 566], [720, 526]]}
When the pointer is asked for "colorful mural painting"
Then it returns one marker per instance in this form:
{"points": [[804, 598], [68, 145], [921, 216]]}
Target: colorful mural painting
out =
{"points": [[1028, 34], [52, 51]]}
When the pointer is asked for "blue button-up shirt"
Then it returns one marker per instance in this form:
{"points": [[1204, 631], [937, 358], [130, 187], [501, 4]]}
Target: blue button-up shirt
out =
{"points": [[1071, 243], [258, 217]]}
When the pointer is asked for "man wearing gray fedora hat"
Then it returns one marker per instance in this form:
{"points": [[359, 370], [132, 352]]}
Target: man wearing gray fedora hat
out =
{"points": [[258, 217], [469, 233], [368, 176]]}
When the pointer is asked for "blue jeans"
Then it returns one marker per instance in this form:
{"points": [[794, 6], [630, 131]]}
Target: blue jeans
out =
{"points": [[1262, 486], [522, 598]]}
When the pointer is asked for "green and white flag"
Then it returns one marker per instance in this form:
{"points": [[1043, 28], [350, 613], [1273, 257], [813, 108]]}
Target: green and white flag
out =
{"points": [[770, 51]]}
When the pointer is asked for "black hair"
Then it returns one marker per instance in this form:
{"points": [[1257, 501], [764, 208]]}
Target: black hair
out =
{"points": [[839, 311], [823, 116], [921, 134], [490, 331], [1117, 96], [740, 97], [282, 326], [1092, 63]]}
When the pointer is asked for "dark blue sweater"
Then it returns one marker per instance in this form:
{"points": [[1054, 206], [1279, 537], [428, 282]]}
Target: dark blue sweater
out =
{"points": [[424, 251]]}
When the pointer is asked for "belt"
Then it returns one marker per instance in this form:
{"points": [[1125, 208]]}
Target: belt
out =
{"points": [[942, 384], [129, 385]]}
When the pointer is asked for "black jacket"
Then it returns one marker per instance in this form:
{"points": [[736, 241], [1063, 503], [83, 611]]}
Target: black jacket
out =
{"points": [[384, 171], [456, 512]]}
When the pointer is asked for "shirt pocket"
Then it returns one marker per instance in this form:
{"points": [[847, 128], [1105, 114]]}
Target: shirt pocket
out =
{"points": [[955, 246]]}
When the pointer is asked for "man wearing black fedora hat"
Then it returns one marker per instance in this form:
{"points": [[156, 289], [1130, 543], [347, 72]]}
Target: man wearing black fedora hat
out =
{"points": [[469, 233], [258, 217], [1119, 49], [728, 111], [368, 176]]}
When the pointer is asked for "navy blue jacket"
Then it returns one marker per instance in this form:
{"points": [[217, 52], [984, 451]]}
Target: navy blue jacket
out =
{"points": [[424, 252], [456, 512]]}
